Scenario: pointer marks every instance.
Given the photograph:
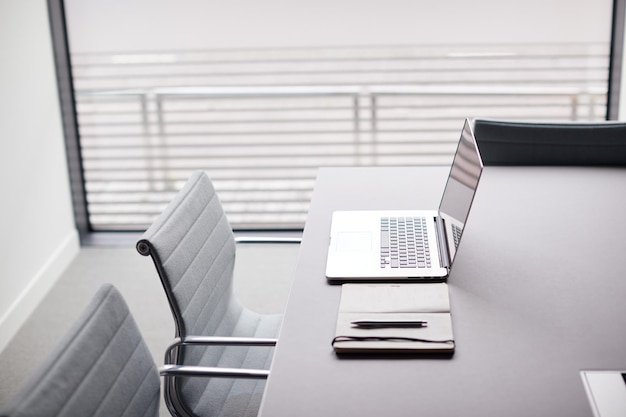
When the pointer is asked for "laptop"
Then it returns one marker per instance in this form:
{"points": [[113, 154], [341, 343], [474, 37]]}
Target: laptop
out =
{"points": [[403, 245]]}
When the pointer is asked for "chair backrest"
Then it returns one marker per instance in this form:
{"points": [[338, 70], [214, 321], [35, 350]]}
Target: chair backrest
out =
{"points": [[193, 249], [102, 367], [525, 143]]}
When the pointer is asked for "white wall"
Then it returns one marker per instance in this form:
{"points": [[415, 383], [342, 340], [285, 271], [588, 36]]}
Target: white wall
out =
{"points": [[120, 25], [39, 237]]}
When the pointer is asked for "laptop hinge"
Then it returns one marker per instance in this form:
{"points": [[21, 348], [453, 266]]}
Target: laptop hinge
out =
{"points": [[442, 239]]}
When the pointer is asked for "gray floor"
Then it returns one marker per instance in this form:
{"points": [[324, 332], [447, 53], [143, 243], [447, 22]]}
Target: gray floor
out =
{"points": [[262, 281]]}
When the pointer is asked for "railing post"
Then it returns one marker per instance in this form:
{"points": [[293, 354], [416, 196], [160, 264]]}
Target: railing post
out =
{"points": [[357, 116], [143, 99], [161, 144], [374, 126], [574, 107], [357, 128], [373, 112]]}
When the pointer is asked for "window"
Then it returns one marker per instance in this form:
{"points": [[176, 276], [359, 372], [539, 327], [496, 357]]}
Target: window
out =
{"points": [[261, 94]]}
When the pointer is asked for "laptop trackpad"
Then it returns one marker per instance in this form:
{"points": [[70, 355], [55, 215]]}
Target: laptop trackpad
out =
{"points": [[354, 241]]}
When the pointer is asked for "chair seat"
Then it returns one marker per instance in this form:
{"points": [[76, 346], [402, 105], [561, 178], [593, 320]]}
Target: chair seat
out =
{"points": [[226, 397]]}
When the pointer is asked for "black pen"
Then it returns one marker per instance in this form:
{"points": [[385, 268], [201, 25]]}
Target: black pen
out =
{"points": [[389, 323]]}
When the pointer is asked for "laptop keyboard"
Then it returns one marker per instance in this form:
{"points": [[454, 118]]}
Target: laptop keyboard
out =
{"points": [[456, 234], [404, 242]]}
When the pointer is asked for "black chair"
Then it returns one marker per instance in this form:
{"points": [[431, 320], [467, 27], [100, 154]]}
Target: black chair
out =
{"points": [[568, 144]]}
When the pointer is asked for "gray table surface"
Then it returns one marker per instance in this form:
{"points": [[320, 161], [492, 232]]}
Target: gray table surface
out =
{"points": [[538, 293]]}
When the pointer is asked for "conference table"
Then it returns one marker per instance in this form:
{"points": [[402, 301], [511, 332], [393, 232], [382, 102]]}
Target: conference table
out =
{"points": [[537, 294]]}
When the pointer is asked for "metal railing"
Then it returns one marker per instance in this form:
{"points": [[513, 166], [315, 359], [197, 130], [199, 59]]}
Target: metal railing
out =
{"points": [[590, 98]]}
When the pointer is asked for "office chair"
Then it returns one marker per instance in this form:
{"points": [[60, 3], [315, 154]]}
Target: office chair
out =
{"points": [[102, 367], [193, 249], [525, 143]]}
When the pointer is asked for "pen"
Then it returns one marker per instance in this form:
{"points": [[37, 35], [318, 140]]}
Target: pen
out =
{"points": [[389, 323]]}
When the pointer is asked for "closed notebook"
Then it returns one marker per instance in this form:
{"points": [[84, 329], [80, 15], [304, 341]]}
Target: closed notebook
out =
{"points": [[394, 318]]}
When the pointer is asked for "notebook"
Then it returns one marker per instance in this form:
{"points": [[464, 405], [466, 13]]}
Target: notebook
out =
{"points": [[394, 318], [416, 244]]}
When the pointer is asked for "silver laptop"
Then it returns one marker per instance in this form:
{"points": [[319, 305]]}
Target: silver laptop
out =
{"points": [[371, 245]]}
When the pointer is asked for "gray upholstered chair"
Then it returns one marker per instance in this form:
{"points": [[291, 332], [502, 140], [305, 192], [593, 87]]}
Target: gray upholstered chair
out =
{"points": [[525, 143], [102, 367], [193, 248]]}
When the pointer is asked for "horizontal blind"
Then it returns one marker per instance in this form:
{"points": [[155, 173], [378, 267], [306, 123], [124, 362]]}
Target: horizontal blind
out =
{"points": [[261, 122]]}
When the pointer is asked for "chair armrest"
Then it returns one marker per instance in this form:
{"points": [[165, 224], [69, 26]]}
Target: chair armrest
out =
{"points": [[224, 340], [267, 239], [218, 341], [210, 371]]}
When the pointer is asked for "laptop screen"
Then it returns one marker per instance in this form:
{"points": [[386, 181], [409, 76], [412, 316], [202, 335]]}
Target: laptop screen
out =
{"points": [[463, 180]]}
